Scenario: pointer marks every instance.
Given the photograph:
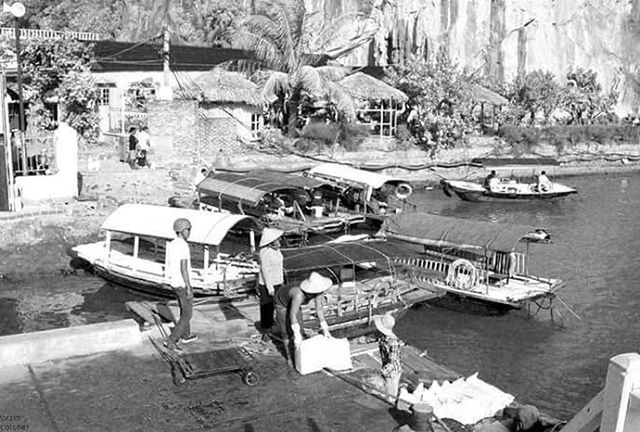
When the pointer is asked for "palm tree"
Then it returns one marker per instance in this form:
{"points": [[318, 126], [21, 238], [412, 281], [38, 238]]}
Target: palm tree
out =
{"points": [[278, 36]]}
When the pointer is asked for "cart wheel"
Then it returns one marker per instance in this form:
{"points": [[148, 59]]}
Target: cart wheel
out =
{"points": [[177, 375], [251, 378]]}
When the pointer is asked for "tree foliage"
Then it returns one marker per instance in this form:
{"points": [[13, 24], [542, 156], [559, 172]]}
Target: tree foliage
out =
{"points": [[538, 93], [440, 100], [58, 70]]}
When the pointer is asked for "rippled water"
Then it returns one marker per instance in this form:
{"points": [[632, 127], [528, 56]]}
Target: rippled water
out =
{"points": [[596, 244], [558, 368]]}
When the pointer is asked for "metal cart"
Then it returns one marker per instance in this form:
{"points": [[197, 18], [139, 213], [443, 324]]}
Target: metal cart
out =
{"points": [[186, 366]]}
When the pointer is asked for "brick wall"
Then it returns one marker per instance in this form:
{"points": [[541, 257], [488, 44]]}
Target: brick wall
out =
{"points": [[173, 127], [217, 136]]}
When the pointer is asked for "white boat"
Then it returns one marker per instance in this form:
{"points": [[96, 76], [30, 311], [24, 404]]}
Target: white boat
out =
{"points": [[475, 261], [504, 191], [375, 194], [136, 235]]}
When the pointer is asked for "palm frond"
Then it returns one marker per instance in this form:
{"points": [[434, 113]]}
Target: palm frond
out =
{"points": [[276, 85], [265, 50], [344, 103], [308, 79], [245, 66], [283, 28], [297, 15]]}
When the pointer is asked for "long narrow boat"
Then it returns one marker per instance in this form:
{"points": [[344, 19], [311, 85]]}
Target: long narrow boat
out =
{"points": [[133, 252], [506, 190], [280, 200], [479, 262], [366, 280], [373, 193]]}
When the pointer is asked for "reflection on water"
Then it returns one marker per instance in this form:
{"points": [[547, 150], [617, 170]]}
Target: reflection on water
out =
{"points": [[596, 241], [57, 301]]}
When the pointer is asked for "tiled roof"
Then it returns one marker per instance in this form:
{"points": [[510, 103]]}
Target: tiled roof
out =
{"points": [[111, 56]]}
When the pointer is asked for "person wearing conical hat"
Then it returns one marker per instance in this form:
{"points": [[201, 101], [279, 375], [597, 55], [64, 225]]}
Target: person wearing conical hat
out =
{"points": [[271, 276], [288, 302], [390, 354]]}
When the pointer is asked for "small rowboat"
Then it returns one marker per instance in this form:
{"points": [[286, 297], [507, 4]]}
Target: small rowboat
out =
{"points": [[505, 190]]}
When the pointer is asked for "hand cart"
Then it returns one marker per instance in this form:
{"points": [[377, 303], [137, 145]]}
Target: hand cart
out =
{"points": [[186, 366]]}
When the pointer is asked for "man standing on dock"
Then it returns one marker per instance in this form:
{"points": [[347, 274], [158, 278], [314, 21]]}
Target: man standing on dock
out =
{"points": [[178, 266], [271, 276]]}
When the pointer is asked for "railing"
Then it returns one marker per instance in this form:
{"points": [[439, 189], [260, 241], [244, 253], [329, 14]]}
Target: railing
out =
{"points": [[35, 156], [49, 34]]}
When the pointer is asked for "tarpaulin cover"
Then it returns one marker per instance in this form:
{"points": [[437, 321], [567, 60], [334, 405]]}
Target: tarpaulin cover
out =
{"points": [[340, 254], [248, 188], [430, 229], [345, 173], [157, 221]]}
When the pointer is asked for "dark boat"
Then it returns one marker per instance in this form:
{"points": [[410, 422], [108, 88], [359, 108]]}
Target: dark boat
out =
{"points": [[297, 205], [506, 190], [366, 277]]}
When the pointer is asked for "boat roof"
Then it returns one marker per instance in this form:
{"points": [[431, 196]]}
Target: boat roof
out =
{"points": [[252, 186], [208, 228], [348, 174], [302, 181], [430, 229], [381, 252], [515, 162]]}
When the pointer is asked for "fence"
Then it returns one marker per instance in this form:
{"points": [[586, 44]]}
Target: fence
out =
{"points": [[36, 155], [49, 34]]}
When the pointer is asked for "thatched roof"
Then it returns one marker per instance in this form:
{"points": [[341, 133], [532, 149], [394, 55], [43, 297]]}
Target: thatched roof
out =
{"points": [[219, 85], [365, 87], [483, 94]]}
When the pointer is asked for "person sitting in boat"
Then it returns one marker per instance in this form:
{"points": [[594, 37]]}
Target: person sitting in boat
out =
{"points": [[544, 184], [288, 304], [488, 179], [317, 204]]}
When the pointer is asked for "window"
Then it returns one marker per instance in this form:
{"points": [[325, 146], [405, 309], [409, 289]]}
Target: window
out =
{"points": [[103, 96], [255, 122]]}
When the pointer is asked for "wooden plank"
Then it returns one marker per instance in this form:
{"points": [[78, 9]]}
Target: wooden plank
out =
{"points": [[588, 418], [141, 311]]}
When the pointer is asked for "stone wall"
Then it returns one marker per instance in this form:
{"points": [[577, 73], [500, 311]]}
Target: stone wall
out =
{"points": [[216, 136]]}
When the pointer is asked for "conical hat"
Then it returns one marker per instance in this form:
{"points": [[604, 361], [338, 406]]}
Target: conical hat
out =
{"points": [[315, 283], [384, 324], [269, 235]]}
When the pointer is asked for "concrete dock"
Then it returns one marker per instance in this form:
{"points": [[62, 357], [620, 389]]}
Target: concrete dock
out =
{"points": [[65, 387]]}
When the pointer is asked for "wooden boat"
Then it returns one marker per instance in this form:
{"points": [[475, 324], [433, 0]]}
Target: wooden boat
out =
{"points": [[133, 252], [474, 262], [366, 280], [505, 190], [373, 193], [279, 200]]}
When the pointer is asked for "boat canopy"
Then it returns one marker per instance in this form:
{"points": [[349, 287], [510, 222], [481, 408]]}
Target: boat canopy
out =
{"points": [[299, 181], [247, 188], [207, 228], [347, 174], [340, 254], [430, 229]]}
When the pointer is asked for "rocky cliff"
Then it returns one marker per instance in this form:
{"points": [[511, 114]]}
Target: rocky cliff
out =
{"points": [[501, 38]]}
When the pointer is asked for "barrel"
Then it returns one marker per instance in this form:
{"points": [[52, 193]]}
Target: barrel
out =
{"points": [[421, 415]]}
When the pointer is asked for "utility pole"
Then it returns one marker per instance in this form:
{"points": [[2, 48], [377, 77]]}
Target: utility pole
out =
{"points": [[165, 55]]}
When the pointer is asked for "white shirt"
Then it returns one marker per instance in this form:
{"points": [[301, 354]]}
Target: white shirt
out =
{"points": [[144, 142], [177, 250], [544, 184], [271, 272]]}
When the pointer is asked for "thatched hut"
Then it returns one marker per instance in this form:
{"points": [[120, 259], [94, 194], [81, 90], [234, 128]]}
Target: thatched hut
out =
{"points": [[378, 103], [229, 96], [490, 104]]}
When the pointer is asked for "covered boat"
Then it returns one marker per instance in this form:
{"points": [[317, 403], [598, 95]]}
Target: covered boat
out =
{"points": [[482, 262], [366, 280], [133, 252], [295, 204], [374, 193], [505, 190]]}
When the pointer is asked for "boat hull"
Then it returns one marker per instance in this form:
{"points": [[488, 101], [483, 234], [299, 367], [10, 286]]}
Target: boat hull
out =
{"points": [[518, 192]]}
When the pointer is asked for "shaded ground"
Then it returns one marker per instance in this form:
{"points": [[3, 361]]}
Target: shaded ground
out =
{"points": [[133, 391]]}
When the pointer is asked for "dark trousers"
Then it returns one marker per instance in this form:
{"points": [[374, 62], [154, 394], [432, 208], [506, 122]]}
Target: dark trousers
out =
{"points": [[266, 306], [283, 322], [183, 326]]}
